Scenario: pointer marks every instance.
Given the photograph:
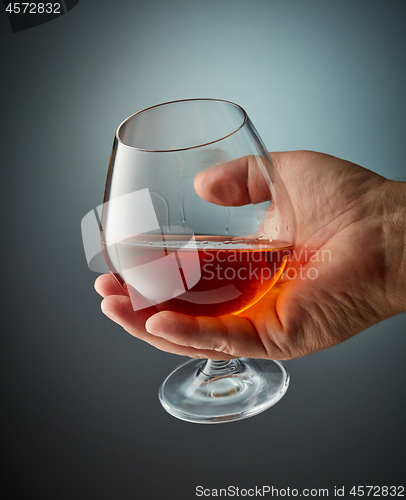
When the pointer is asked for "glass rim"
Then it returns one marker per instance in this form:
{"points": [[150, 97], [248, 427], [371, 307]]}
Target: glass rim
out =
{"points": [[245, 119]]}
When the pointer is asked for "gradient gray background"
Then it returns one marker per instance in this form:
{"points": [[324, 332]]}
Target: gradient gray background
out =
{"points": [[80, 413]]}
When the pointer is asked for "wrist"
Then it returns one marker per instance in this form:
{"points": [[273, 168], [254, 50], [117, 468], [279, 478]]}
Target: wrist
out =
{"points": [[394, 237]]}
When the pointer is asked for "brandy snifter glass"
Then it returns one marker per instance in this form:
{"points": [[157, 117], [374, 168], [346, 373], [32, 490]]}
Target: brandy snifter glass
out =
{"points": [[196, 220]]}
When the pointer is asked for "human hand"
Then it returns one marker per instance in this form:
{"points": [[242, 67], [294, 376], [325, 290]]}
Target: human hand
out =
{"points": [[350, 235]]}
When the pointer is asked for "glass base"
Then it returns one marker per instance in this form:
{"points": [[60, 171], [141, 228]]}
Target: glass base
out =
{"points": [[213, 392]]}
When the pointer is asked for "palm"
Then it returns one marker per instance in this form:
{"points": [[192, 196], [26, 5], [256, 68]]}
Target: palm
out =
{"points": [[337, 255]]}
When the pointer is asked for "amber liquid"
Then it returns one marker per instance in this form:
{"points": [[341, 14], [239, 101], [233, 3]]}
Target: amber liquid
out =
{"points": [[218, 276]]}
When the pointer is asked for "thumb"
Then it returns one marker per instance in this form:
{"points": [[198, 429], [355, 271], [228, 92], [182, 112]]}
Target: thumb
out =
{"points": [[235, 183]]}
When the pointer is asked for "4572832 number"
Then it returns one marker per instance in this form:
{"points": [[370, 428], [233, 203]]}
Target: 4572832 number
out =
{"points": [[34, 8], [378, 491]]}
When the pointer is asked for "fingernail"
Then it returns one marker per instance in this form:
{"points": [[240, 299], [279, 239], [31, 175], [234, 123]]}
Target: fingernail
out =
{"points": [[109, 314], [153, 331]]}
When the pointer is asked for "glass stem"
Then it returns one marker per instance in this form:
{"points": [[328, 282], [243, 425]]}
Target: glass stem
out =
{"points": [[221, 368]]}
